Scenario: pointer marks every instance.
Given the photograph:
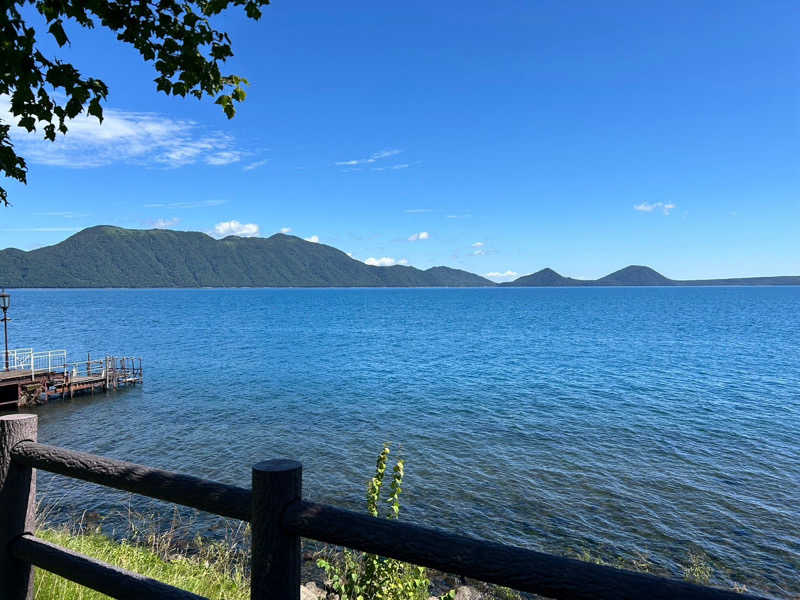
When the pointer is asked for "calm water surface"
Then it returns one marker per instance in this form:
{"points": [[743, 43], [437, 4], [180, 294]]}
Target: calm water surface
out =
{"points": [[621, 421]]}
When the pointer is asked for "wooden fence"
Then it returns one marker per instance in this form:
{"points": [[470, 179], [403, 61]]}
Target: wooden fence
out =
{"points": [[279, 517]]}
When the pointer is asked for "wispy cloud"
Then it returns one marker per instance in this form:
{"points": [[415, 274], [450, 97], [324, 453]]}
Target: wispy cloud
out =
{"points": [[385, 262], [286, 229], [422, 235], [126, 137], [392, 168], [255, 165], [371, 159], [199, 204], [64, 214], [461, 216], [666, 208], [224, 158], [477, 244], [418, 210], [314, 239], [236, 228], [479, 252]]}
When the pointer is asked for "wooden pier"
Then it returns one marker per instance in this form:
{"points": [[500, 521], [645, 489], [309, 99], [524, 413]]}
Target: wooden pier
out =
{"points": [[34, 377]]}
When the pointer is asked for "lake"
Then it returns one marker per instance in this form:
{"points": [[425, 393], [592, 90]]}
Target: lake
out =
{"points": [[619, 421]]}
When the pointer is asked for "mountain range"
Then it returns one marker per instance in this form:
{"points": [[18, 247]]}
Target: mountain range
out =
{"points": [[638, 275], [106, 256]]}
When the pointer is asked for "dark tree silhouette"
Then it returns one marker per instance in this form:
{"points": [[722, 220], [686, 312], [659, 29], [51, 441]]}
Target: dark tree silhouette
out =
{"points": [[177, 37]]}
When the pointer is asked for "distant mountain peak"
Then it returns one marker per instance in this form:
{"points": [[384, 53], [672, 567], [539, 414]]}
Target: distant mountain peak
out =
{"points": [[635, 275], [546, 277]]}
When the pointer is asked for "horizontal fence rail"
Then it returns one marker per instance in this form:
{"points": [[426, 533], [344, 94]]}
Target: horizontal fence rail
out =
{"points": [[519, 568], [91, 573], [279, 518], [187, 490]]}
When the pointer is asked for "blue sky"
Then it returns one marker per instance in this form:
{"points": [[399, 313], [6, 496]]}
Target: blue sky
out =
{"points": [[495, 137]]}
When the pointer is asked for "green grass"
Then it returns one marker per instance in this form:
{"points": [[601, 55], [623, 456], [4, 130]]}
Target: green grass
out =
{"points": [[214, 570]]}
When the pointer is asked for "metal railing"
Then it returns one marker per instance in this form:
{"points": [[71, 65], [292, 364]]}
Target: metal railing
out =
{"points": [[19, 357], [279, 517], [30, 362], [87, 368], [49, 362]]}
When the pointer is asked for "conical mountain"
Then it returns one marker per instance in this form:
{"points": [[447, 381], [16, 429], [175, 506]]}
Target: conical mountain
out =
{"points": [[545, 278], [634, 275]]}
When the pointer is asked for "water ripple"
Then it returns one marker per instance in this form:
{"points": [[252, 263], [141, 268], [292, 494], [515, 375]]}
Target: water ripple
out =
{"points": [[621, 421]]}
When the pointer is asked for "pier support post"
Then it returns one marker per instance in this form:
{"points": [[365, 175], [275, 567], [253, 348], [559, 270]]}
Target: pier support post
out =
{"points": [[17, 499], [275, 566]]}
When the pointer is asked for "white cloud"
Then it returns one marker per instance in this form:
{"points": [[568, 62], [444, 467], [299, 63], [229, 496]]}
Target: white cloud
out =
{"points": [[314, 239], [385, 154], [165, 223], [418, 210], [392, 168], [385, 262], [666, 208], [477, 245], [147, 139], [372, 158], [422, 235], [255, 165], [236, 228], [224, 158], [479, 252], [286, 229], [502, 276], [463, 216]]}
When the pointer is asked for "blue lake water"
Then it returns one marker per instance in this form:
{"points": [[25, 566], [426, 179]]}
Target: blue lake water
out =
{"points": [[660, 421]]}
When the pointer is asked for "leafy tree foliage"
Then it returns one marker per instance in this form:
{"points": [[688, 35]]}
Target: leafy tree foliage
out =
{"points": [[176, 36]]}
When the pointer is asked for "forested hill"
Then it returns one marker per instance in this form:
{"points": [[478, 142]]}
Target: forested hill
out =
{"points": [[107, 256]]}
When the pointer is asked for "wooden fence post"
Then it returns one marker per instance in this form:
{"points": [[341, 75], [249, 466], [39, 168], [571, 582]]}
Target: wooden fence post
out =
{"points": [[275, 559], [17, 499]]}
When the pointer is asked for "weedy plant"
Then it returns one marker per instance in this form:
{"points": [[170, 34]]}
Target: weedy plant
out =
{"points": [[362, 576], [698, 570]]}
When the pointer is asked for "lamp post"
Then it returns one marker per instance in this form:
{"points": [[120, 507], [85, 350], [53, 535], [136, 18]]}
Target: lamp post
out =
{"points": [[5, 302]]}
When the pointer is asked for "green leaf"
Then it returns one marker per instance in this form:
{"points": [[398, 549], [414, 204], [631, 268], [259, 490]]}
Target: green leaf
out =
{"points": [[28, 123], [95, 109], [57, 31]]}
